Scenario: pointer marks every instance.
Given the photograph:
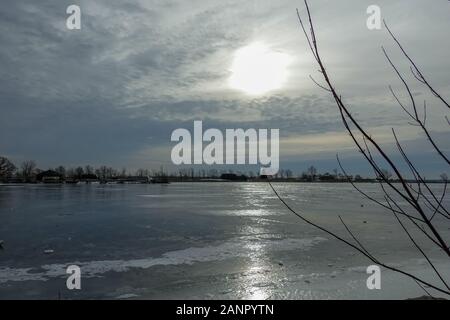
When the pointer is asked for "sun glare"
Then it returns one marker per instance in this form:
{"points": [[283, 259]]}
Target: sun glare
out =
{"points": [[257, 69]]}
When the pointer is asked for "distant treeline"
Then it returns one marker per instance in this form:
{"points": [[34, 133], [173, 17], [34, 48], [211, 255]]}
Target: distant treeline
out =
{"points": [[28, 172]]}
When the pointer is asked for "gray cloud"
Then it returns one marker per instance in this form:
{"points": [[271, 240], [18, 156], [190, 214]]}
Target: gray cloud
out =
{"points": [[137, 70]]}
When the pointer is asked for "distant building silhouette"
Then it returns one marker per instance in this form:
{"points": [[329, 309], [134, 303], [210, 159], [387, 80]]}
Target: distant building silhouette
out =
{"points": [[49, 176], [233, 177]]}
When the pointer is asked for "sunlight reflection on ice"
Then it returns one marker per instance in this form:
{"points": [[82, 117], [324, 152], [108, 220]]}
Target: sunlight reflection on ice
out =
{"points": [[258, 268]]}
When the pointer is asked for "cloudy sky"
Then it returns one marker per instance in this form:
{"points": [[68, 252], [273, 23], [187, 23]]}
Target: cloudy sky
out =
{"points": [[113, 92]]}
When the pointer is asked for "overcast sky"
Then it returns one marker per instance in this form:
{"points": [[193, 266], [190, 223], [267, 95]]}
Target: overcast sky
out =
{"points": [[113, 92]]}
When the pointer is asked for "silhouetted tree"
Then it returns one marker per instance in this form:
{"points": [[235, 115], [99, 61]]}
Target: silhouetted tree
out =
{"points": [[79, 172], [88, 169], [311, 172], [28, 170], [61, 170], [421, 210], [7, 168]]}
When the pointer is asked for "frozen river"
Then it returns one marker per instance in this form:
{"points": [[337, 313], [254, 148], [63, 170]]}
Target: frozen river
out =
{"points": [[200, 240]]}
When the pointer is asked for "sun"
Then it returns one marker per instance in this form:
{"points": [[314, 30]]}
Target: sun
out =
{"points": [[257, 69]]}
